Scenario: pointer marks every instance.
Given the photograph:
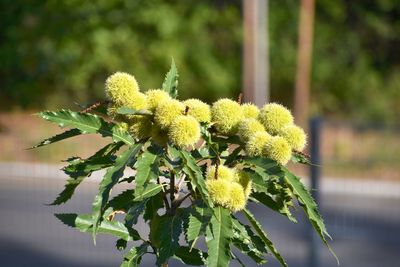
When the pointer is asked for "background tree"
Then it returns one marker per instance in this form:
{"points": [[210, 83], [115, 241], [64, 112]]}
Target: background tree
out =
{"points": [[56, 52]]}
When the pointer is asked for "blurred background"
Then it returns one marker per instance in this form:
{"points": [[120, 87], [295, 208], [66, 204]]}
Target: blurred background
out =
{"points": [[337, 60]]}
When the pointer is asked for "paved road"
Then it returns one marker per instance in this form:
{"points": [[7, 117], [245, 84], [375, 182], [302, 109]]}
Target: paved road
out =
{"points": [[365, 230]]}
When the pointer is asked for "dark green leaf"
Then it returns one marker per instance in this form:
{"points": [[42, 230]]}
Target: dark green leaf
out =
{"points": [[190, 256], [134, 256], [84, 224], [298, 157], [218, 238], [153, 204], [168, 231], [59, 137], [149, 191], [233, 155], [170, 84], [78, 170], [266, 193], [309, 206], [110, 179], [196, 176], [134, 212], [173, 159], [258, 183], [121, 244], [278, 206], [122, 201], [263, 166], [103, 158], [199, 218], [247, 242], [146, 170], [175, 153], [87, 123], [258, 228], [201, 153], [129, 179]]}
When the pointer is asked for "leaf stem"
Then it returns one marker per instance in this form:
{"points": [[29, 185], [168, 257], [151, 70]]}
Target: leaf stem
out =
{"points": [[167, 207], [180, 182], [179, 201], [240, 98], [217, 163], [172, 193], [172, 187], [94, 106]]}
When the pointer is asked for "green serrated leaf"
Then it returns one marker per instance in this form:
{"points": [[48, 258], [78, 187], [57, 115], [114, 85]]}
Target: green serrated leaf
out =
{"points": [[195, 174], [247, 242], [190, 256], [121, 244], [170, 84], [218, 238], [263, 166], [298, 157], [111, 178], [258, 183], [122, 201], [278, 206], [233, 155], [264, 193], [172, 159], [258, 228], [199, 218], [169, 228], [153, 204], [136, 208], [78, 170], [309, 206], [201, 153], [149, 191], [225, 140], [248, 236], [134, 256], [131, 111], [146, 170], [59, 137], [88, 124], [128, 180], [84, 224]]}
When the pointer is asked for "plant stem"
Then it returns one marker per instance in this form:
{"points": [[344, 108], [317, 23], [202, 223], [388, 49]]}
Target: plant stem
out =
{"points": [[179, 201], [217, 163], [95, 105], [172, 186], [180, 182], [240, 98], [172, 192], [167, 207]]}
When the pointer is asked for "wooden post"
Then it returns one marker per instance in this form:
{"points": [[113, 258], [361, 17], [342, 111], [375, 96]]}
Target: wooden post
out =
{"points": [[304, 58], [255, 52]]}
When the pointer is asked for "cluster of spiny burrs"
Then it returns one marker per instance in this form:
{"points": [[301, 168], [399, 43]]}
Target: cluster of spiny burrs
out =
{"points": [[267, 132]]}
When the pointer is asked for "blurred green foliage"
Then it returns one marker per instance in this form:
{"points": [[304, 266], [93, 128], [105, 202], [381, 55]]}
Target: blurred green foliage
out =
{"points": [[64, 50], [55, 53]]}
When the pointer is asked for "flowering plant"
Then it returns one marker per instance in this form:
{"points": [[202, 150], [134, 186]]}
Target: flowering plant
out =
{"points": [[195, 167]]}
